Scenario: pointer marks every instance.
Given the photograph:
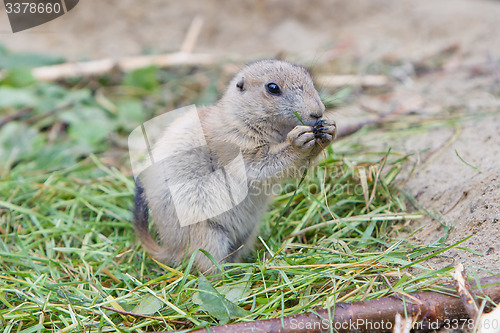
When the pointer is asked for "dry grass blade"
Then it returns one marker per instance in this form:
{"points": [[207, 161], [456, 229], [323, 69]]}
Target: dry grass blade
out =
{"points": [[192, 35]]}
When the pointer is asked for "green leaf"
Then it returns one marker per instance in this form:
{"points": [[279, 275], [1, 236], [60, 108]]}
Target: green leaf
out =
{"points": [[233, 292], [54, 96], [76, 96], [149, 305], [237, 291], [10, 60], [19, 77], [216, 304], [130, 114], [17, 141], [89, 126], [12, 97], [145, 78]]}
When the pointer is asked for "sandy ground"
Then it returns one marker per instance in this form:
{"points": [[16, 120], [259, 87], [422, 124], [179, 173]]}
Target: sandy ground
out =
{"points": [[463, 197]]}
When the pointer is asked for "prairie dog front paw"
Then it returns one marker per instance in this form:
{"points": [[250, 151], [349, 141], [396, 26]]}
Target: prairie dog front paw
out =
{"points": [[324, 132], [302, 138], [312, 139]]}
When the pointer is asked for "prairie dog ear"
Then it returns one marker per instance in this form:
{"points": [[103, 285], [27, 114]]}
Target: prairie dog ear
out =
{"points": [[241, 84]]}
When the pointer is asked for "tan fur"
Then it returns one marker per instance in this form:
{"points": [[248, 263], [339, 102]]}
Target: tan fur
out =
{"points": [[247, 122]]}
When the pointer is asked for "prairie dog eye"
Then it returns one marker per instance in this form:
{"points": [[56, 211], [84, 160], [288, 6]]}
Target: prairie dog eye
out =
{"points": [[273, 89]]}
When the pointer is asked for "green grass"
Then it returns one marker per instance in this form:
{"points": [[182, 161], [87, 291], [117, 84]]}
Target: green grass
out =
{"points": [[70, 262]]}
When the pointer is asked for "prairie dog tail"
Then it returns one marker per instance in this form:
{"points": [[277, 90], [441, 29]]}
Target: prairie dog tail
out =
{"points": [[141, 216]]}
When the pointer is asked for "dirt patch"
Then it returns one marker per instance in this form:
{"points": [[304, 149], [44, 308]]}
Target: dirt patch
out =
{"points": [[465, 197], [117, 28], [458, 167]]}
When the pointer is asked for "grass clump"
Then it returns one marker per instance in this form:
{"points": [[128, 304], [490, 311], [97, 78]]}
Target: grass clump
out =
{"points": [[70, 262], [69, 258]]}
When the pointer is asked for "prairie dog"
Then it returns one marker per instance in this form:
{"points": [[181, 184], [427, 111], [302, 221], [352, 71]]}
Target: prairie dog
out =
{"points": [[208, 189]]}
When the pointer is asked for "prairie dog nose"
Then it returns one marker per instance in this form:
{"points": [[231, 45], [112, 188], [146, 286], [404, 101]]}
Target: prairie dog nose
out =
{"points": [[317, 108]]}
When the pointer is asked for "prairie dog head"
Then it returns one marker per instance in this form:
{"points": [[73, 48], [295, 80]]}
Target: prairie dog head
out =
{"points": [[265, 96]]}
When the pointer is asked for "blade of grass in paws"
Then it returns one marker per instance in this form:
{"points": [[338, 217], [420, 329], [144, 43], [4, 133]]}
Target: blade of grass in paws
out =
{"points": [[298, 117]]}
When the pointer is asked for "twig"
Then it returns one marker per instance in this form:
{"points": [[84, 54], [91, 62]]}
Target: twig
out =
{"points": [[52, 112], [192, 35], [365, 81], [465, 292], [377, 315], [483, 322], [19, 114], [344, 131], [98, 67]]}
